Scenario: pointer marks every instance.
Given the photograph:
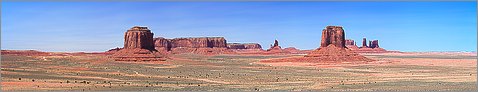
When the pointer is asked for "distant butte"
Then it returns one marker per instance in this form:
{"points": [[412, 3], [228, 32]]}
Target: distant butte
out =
{"points": [[332, 49], [138, 46], [372, 47]]}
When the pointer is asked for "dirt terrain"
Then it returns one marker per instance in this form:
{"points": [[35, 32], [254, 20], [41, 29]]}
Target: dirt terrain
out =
{"points": [[455, 71]]}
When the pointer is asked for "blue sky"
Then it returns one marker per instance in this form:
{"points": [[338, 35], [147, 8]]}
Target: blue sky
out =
{"points": [[99, 26]]}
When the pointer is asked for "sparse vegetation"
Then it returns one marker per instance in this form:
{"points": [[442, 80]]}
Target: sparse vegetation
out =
{"points": [[190, 72]]}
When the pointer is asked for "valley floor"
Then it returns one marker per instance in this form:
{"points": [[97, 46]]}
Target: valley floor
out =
{"points": [[191, 72]]}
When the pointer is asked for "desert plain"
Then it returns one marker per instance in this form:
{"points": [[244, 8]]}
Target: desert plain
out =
{"points": [[409, 71]]}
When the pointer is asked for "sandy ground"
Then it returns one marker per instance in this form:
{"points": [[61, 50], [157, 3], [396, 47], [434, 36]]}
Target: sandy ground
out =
{"points": [[438, 71]]}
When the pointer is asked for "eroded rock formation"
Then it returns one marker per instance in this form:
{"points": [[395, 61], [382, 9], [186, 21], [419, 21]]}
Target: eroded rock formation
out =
{"points": [[244, 46], [372, 47], [333, 35], [138, 46], [364, 42], [275, 47], [199, 45], [374, 44], [332, 49], [349, 43], [138, 37]]}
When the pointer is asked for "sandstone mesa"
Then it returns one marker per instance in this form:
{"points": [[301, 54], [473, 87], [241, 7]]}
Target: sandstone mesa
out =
{"points": [[139, 45]]}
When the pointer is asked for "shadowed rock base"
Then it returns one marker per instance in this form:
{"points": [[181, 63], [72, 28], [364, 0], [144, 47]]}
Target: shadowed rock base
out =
{"points": [[326, 54], [332, 53], [137, 54]]}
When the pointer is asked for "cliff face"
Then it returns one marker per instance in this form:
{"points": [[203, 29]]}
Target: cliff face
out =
{"points": [[218, 42], [236, 46], [333, 35], [138, 37], [275, 47], [162, 44], [200, 42], [199, 45]]}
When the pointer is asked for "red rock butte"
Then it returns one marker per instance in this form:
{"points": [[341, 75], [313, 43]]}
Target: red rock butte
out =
{"points": [[138, 46], [332, 49], [372, 47]]}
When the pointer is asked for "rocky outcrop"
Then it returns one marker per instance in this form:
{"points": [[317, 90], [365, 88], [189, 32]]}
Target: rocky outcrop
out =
{"points": [[364, 42], [236, 46], [372, 47], [138, 37], [138, 46], [276, 43], [333, 35], [276, 49], [253, 46], [244, 46], [199, 42], [374, 44], [332, 49], [349, 43], [162, 44], [199, 45]]}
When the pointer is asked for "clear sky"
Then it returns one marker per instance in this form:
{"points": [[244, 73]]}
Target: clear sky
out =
{"points": [[99, 26]]}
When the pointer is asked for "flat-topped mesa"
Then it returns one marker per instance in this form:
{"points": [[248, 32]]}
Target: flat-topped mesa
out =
{"points": [[199, 42], [199, 45], [253, 46], [244, 46], [138, 46], [139, 28], [364, 43], [333, 35], [162, 44], [139, 37], [236, 46]]}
